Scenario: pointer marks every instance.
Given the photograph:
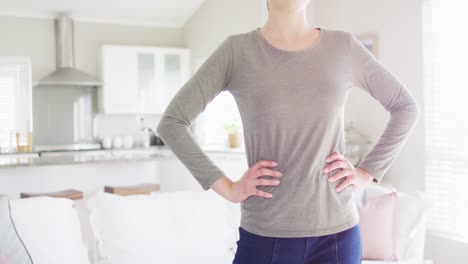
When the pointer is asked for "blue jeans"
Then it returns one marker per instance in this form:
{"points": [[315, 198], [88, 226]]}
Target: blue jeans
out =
{"points": [[344, 247]]}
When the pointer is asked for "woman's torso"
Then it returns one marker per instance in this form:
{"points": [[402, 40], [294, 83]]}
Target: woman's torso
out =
{"points": [[292, 109]]}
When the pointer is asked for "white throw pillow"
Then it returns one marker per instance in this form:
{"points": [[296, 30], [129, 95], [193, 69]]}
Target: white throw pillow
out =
{"points": [[410, 225], [12, 249], [358, 195], [50, 230], [165, 227], [373, 190]]}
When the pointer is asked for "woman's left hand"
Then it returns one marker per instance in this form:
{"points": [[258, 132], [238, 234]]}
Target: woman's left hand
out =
{"points": [[353, 176]]}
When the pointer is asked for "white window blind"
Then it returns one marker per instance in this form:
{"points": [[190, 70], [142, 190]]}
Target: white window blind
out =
{"points": [[15, 100], [446, 116]]}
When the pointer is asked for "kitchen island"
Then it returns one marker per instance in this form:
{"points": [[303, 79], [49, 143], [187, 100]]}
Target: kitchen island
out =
{"points": [[91, 170], [68, 157]]}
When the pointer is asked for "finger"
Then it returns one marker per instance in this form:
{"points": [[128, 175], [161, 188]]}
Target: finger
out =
{"points": [[264, 163], [335, 165], [267, 182], [262, 194], [267, 172], [339, 175], [335, 156], [344, 184]]}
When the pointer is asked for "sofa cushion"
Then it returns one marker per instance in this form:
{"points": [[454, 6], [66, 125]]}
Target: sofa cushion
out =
{"points": [[374, 190], [410, 225], [12, 249], [172, 227], [50, 230]]}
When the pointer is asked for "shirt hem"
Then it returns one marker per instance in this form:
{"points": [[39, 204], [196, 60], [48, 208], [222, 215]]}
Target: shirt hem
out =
{"points": [[311, 233]]}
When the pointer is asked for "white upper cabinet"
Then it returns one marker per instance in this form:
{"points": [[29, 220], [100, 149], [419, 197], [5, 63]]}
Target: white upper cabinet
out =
{"points": [[142, 79]]}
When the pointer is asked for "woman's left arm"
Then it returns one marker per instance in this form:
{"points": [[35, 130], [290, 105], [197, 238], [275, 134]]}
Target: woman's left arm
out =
{"points": [[372, 76]]}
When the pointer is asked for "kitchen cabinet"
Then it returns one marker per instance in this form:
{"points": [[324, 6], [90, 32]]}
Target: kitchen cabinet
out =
{"points": [[141, 79]]}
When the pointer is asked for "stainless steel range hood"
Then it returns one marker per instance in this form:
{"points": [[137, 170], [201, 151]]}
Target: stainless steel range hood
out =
{"points": [[66, 73]]}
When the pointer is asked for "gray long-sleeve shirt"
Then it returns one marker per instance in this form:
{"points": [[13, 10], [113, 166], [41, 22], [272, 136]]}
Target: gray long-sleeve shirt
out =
{"points": [[292, 110]]}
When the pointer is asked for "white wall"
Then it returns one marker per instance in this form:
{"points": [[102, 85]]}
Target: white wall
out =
{"points": [[215, 20], [34, 37]]}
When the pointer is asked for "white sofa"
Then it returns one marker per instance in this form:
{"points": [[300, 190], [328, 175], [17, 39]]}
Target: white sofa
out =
{"points": [[177, 227]]}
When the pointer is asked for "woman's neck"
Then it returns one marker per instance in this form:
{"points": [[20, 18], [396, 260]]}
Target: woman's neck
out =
{"points": [[286, 24]]}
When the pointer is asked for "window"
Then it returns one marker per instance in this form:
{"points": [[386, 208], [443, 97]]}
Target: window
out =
{"points": [[222, 110], [219, 112], [446, 120], [15, 100]]}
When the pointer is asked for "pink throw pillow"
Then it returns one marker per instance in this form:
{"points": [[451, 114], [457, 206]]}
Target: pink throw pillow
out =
{"points": [[376, 221], [2, 260]]}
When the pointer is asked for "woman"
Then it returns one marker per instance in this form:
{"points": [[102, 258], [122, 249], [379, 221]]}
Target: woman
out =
{"points": [[290, 82]]}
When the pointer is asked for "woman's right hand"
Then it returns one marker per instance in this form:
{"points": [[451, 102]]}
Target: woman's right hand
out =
{"points": [[240, 190]]}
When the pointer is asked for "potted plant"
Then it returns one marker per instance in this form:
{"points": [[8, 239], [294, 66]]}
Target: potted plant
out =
{"points": [[234, 134]]}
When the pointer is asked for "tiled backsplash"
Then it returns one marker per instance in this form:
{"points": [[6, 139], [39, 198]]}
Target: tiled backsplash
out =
{"points": [[112, 125]]}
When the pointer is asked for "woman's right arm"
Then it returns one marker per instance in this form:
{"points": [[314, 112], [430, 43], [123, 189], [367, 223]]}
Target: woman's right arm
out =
{"points": [[174, 128], [240, 190], [191, 99]]}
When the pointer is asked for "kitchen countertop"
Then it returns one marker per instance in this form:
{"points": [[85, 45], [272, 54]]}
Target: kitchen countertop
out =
{"points": [[48, 158]]}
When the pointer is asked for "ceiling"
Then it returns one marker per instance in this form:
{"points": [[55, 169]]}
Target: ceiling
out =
{"points": [[166, 13]]}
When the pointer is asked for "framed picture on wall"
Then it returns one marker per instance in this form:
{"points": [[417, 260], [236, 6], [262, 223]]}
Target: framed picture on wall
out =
{"points": [[371, 41]]}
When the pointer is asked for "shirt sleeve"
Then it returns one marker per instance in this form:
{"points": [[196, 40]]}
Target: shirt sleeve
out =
{"points": [[192, 98], [376, 79]]}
